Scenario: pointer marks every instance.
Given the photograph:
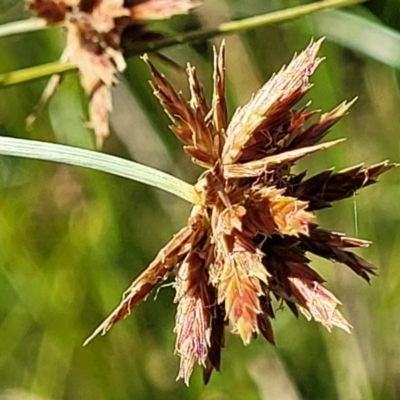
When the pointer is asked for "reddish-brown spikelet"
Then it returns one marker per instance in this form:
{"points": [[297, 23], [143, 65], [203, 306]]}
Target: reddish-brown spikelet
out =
{"points": [[168, 257], [318, 303], [237, 273], [249, 237], [95, 29], [194, 314]]}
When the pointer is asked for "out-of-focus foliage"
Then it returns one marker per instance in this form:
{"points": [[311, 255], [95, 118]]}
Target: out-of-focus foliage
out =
{"points": [[71, 240]]}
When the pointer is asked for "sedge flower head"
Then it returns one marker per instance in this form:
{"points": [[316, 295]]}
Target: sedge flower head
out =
{"points": [[247, 241], [95, 30]]}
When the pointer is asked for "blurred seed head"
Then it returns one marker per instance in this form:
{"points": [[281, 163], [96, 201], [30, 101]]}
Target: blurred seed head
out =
{"points": [[94, 32]]}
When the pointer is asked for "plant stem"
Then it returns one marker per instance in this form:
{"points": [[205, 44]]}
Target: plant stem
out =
{"points": [[24, 26], [98, 161], [32, 73], [42, 71], [231, 27]]}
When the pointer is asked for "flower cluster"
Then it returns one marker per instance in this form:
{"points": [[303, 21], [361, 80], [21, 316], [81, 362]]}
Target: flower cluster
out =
{"points": [[247, 241], [94, 32]]}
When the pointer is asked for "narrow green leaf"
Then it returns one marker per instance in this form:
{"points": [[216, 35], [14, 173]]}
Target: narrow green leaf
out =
{"points": [[98, 161], [359, 34]]}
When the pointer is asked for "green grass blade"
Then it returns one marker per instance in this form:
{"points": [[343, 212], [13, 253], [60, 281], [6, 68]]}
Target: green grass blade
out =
{"points": [[360, 34], [98, 161]]}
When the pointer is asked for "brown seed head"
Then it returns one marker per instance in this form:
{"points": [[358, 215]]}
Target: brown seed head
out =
{"points": [[250, 237], [94, 33]]}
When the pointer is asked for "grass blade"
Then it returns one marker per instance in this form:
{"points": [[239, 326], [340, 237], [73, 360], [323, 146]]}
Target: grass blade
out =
{"points": [[360, 34], [98, 161]]}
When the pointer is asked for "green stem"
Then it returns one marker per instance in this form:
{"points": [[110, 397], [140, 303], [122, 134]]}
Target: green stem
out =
{"points": [[231, 27], [32, 73], [98, 161], [24, 26], [41, 71]]}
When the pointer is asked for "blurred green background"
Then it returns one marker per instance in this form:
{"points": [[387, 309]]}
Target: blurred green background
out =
{"points": [[71, 240]]}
